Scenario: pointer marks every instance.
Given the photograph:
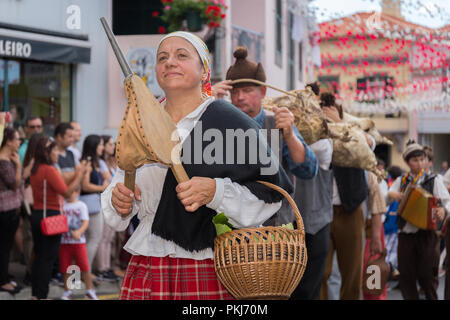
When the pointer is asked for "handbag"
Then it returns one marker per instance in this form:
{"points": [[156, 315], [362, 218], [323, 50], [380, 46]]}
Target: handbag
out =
{"points": [[53, 225], [376, 275]]}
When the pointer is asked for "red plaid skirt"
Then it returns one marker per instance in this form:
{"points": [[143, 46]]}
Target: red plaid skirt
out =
{"points": [[154, 278]]}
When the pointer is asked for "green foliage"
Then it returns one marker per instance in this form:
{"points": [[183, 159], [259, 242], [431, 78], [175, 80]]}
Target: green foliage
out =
{"points": [[221, 223], [175, 11]]}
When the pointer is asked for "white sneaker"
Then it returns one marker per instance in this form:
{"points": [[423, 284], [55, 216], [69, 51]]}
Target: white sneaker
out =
{"points": [[90, 294], [67, 295]]}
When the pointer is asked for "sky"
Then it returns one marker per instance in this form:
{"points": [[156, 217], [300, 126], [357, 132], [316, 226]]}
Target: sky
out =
{"points": [[430, 13]]}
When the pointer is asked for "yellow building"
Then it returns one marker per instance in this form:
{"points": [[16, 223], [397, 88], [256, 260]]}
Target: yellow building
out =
{"points": [[375, 63]]}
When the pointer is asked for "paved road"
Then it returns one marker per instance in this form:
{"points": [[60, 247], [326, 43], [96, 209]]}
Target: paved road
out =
{"points": [[110, 290], [395, 294], [105, 290]]}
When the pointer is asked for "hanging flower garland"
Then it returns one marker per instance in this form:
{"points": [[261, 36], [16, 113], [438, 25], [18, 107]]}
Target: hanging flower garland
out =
{"points": [[394, 47]]}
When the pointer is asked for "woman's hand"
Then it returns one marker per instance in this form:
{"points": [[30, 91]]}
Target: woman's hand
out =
{"points": [[196, 192], [82, 168], [15, 159], [27, 169], [122, 198]]}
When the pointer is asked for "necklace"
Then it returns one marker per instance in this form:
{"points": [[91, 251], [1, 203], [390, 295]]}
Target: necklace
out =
{"points": [[406, 176]]}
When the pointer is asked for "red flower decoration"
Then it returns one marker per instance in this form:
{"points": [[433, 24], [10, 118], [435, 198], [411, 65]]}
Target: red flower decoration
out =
{"points": [[161, 30], [155, 14]]}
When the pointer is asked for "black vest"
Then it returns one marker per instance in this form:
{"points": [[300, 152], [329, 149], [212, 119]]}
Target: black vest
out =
{"points": [[195, 231], [352, 187]]}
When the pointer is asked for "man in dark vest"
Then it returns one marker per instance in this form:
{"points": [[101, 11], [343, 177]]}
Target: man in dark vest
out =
{"points": [[350, 190], [314, 200], [296, 157]]}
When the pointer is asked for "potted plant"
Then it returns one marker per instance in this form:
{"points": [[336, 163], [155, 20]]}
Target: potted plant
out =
{"points": [[196, 13]]}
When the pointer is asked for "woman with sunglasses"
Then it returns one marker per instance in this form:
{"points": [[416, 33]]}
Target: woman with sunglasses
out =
{"points": [[46, 248]]}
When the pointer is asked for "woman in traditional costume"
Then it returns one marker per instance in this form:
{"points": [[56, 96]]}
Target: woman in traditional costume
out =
{"points": [[172, 247]]}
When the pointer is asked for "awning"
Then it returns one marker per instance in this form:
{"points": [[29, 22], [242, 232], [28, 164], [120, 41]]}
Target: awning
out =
{"points": [[27, 45]]}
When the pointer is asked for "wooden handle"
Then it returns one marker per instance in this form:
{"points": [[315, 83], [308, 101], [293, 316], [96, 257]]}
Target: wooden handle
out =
{"points": [[179, 173], [263, 84], [291, 201], [130, 177]]}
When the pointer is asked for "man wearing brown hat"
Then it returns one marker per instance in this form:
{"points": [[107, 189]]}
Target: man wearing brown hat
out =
{"points": [[297, 158], [418, 249]]}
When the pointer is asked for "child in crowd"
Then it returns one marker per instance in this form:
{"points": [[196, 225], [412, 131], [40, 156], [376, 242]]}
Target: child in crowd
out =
{"points": [[390, 226], [73, 245], [418, 249]]}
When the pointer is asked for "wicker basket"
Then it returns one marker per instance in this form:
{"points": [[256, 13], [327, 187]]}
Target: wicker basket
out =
{"points": [[262, 263]]}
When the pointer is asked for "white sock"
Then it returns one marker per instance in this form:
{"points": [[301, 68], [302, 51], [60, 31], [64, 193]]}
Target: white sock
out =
{"points": [[67, 293]]}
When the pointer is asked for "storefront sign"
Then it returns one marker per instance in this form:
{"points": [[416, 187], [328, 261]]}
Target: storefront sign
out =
{"points": [[44, 51], [15, 49]]}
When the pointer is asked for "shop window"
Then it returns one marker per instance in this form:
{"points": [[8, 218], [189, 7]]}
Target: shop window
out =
{"points": [[36, 89]]}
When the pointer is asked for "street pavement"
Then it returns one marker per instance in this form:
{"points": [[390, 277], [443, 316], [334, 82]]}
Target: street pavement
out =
{"points": [[105, 290], [110, 290]]}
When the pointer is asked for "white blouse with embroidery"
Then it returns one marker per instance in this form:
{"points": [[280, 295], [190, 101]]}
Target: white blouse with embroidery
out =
{"points": [[242, 207]]}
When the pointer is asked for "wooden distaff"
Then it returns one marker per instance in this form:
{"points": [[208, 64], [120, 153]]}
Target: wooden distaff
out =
{"points": [[147, 133]]}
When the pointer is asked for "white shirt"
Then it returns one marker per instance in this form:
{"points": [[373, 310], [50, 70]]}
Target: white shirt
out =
{"points": [[76, 153], [384, 189], [439, 191], [242, 208], [323, 149], [447, 178], [76, 212]]}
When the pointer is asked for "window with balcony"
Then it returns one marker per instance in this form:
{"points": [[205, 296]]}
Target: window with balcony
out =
{"points": [[375, 89], [329, 84]]}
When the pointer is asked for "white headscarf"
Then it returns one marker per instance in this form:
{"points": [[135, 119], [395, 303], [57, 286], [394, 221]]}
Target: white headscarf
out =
{"points": [[202, 51]]}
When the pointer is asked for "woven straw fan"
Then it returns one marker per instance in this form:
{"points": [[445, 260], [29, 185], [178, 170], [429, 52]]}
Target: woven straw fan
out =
{"points": [[147, 133]]}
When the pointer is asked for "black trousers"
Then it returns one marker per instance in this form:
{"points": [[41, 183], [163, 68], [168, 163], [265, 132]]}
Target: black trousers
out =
{"points": [[46, 249], [9, 221], [418, 261], [317, 247]]}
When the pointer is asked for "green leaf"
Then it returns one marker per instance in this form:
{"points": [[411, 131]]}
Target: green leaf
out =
{"points": [[288, 226], [221, 223], [221, 218], [221, 228]]}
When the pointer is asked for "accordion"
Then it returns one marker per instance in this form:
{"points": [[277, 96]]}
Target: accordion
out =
{"points": [[417, 206]]}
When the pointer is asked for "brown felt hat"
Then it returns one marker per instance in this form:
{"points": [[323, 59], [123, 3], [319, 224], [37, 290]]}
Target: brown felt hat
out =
{"points": [[245, 69]]}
